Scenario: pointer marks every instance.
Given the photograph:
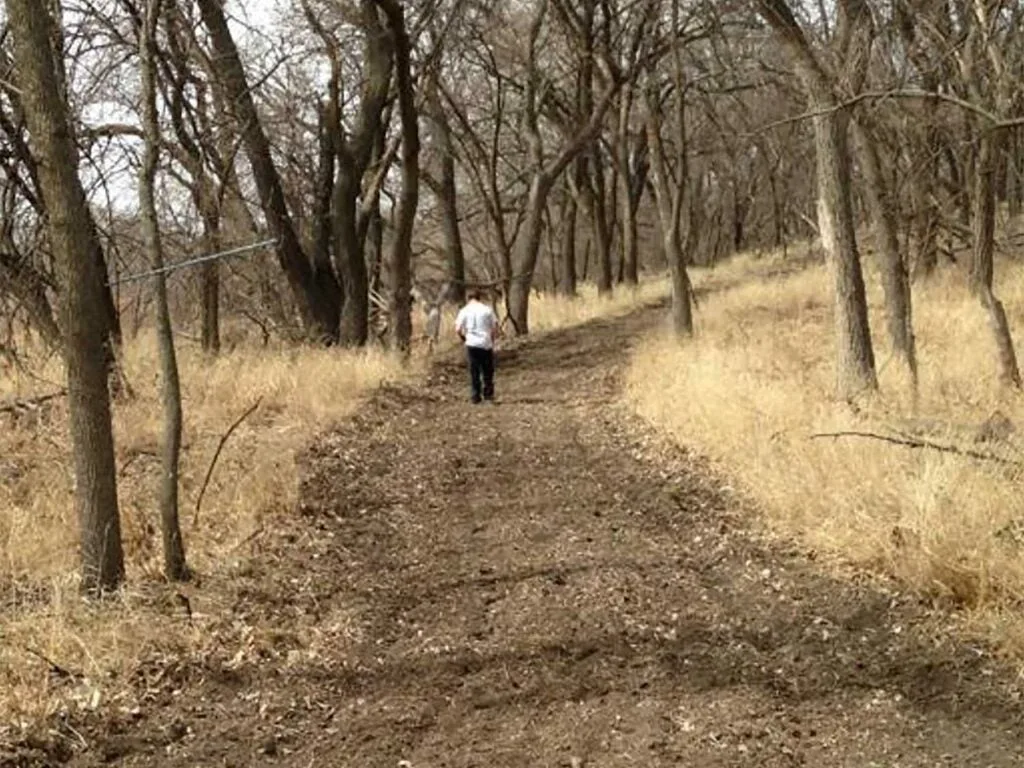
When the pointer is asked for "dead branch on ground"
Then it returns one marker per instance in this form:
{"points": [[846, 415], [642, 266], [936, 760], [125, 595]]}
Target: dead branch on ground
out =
{"points": [[216, 455], [918, 444]]}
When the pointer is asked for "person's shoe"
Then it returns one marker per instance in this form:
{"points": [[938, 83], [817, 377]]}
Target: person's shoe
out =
{"points": [[475, 400]]}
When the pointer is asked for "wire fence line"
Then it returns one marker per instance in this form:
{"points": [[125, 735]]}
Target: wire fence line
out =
{"points": [[168, 268], [193, 262]]}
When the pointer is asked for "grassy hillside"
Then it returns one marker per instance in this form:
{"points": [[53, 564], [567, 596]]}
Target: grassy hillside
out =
{"points": [[756, 385]]}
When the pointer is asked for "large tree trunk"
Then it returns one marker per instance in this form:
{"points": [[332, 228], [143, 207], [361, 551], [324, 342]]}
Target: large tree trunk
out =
{"points": [[327, 117], [350, 262], [315, 301], [895, 281], [175, 568], [401, 253], [355, 155], [86, 327], [836, 222], [529, 246], [440, 132], [209, 273], [982, 265], [855, 355]]}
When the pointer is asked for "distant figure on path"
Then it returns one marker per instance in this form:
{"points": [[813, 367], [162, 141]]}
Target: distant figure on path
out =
{"points": [[477, 326], [433, 326]]}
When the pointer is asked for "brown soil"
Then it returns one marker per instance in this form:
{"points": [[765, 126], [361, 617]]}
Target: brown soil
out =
{"points": [[545, 583]]}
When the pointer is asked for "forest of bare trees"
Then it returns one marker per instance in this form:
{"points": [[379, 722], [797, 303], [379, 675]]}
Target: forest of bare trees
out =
{"points": [[393, 153]]}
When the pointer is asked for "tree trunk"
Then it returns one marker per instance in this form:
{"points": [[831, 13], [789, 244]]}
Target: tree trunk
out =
{"points": [[401, 253], [350, 262], [982, 265], [327, 116], [836, 222], [895, 281], [440, 132], [315, 301], [1013, 175], [633, 178], [86, 328], [682, 291], [529, 246], [567, 273], [175, 568], [210, 277], [926, 213], [209, 273], [673, 194], [355, 154], [855, 356], [374, 247], [592, 197]]}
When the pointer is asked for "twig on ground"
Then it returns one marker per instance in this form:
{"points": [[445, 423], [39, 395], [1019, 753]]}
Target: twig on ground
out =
{"points": [[216, 455], [251, 537], [909, 443], [55, 669]]}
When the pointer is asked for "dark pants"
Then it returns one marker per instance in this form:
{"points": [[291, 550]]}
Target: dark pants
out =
{"points": [[481, 373]]}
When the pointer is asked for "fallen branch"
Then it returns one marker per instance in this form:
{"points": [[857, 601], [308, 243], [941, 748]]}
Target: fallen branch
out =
{"points": [[30, 403], [910, 443], [216, 455]]}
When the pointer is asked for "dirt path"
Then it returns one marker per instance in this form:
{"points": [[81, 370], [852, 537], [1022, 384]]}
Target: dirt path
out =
{"points": [[541, 584]]}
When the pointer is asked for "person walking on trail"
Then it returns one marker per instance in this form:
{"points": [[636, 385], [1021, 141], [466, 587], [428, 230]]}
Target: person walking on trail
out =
{"points": [[477, 326]]}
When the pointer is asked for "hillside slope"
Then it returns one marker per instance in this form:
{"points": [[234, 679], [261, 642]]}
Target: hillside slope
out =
{"points": [[545, 582]]}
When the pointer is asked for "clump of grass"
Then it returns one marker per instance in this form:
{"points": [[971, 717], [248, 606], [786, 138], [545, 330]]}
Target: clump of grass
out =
{"points": [[757, 382]]}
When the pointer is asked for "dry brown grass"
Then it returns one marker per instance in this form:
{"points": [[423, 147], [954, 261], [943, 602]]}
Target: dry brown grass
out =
{"points": [[757, 381], [549, 312], [303, 391]]}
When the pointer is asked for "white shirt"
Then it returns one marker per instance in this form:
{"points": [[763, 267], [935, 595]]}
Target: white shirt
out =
{"points": [[477, 322]]}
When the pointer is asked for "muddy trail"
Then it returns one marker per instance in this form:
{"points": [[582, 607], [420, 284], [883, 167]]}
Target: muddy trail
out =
{"points": [[543, 582]]}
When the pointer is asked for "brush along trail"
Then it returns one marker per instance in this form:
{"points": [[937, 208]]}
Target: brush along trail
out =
{"points": [[546, 583]]}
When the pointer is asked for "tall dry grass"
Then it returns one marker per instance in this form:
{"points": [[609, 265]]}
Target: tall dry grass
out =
{"points": [[302, 391], [757, 382], [549, 312]]}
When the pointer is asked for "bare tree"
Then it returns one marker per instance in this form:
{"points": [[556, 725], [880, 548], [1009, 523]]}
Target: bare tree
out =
{"points": [[401, 250], [895, 276], [442, 183], [989, 82], [86, 328], [544, 171], [175, 567], [836, 220], [675, 188], [316, 292]]}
